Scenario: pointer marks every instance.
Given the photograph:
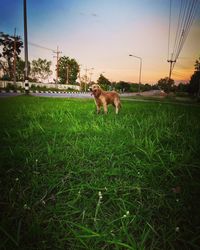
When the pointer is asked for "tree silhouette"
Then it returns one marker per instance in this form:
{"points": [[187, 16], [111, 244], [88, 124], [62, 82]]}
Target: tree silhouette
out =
{"points": [[166, 84], [194, 85], [68, 70], [40, 69], [104, 82], [7, 54]]}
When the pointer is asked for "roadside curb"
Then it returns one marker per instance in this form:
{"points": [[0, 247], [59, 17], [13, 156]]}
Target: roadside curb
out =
{"points": [[40, 91]]}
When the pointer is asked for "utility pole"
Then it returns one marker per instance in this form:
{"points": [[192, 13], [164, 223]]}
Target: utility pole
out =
{"points": [[170, 72], [14, 62], [170, 68], [86, 70], [57, 52], [91, 73], [67, 73], [26, 49]]}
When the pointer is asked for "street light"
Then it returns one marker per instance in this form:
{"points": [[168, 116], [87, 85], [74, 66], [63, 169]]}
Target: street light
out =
{"points": [[140, 71]]}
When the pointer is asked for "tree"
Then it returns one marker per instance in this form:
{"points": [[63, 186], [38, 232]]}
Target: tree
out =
{"points": [[197, 65], [146, 87], [40, 69], [68, 70], [194, 85], [182, 87], [20, 65], [166, 84], [123, 86], [104, 82], [8, 53]]}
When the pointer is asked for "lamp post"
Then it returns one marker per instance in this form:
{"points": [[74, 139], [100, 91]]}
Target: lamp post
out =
{"points": [[140, 71]]}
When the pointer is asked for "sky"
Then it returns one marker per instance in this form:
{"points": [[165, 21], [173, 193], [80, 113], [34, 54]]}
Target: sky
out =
{"points": [[100, 35]]}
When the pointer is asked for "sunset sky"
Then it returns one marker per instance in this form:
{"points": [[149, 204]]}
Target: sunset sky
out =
{"points": [[101, 34]]}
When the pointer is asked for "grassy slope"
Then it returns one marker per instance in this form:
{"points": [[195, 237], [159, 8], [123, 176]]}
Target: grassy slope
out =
{"points": [[57, 154]]}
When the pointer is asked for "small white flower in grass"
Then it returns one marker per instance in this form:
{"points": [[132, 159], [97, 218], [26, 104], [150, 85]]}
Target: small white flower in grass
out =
{"points": [[177, 229], [112, 233], [138, 172], [79, 192], [177, 200], [126, 214], [106, 188], [16, 179], [98, 206], [100, 195], [26, 207]]}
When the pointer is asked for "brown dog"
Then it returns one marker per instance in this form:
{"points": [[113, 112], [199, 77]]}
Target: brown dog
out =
{"points": [[103, 98]]}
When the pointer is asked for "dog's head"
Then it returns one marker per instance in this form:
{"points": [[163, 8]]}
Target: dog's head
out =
{"points": [[96, 90]]}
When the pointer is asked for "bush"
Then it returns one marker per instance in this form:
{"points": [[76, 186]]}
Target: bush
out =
{"points": [[11, 87], [182, 94], [44, 88]]}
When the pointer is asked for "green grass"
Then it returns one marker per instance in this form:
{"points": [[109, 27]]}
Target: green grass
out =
{"points": [[165, 99], [71, 179]]}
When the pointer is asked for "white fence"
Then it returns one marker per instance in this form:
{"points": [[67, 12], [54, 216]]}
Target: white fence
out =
{"points": [[3, 84]]}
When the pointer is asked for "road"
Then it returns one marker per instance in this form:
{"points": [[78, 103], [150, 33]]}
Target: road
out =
{"points": [[61, 95], [64, 95], [8, 94]]}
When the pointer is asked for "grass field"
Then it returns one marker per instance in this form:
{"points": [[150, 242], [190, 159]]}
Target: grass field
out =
{"points": [[71, 179]]}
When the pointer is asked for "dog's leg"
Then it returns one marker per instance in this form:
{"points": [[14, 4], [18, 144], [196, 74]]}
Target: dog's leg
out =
{"points": [[117, 106], [105, 108], [116, 109], [98, 109]]}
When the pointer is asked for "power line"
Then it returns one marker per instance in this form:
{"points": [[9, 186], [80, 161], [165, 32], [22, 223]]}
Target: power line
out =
{"points": [[57, 52], [179, 30], [187, 12], [169, 30], [185, 28], [180, 65], [40, 46], [186, 23], [178, 26], [178, 74]]}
